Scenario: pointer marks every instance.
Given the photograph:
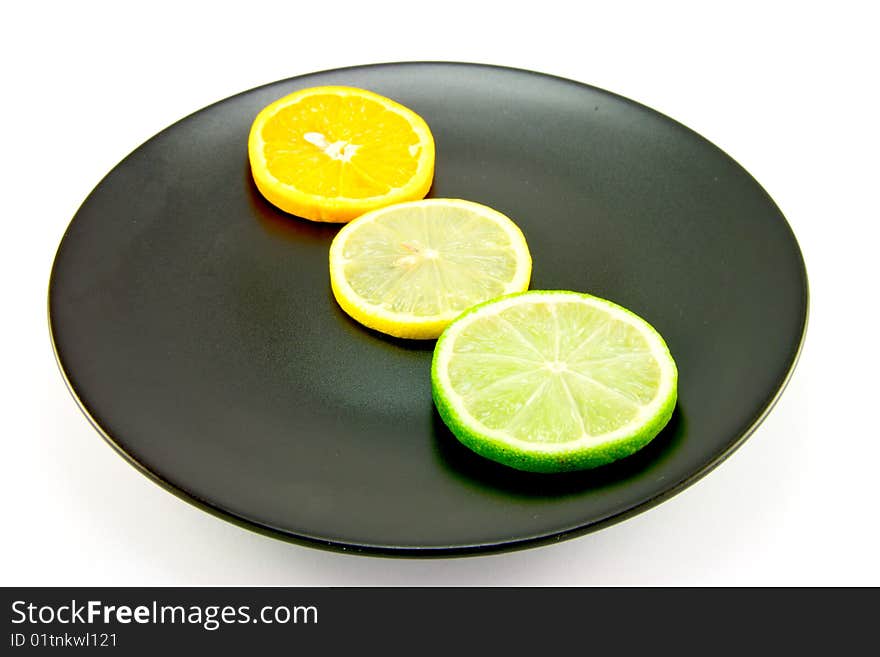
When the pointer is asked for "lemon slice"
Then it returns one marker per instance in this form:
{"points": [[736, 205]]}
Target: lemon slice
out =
{"points": [[553, 381], [333, 153], [409, 269]]}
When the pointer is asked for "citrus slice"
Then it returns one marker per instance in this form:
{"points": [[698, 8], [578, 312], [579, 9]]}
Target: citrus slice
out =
{"points": [[333, 153], [553, 381], [409, 269]]}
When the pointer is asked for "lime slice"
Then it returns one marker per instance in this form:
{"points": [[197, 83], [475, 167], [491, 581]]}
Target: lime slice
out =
{"points": [[409, 269], [550, 381]]}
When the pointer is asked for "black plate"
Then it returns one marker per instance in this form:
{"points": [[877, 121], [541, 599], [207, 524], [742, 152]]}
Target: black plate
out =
{"points": [[195, 325]]}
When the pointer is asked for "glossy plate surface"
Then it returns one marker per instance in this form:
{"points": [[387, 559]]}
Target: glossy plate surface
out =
{"points": [[195, 325]]}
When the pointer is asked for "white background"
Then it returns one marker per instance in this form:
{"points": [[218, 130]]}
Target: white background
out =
{"points": [[790, 92]]}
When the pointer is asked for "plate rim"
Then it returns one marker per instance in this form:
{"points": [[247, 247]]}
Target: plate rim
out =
{"points": [[409, 551]]}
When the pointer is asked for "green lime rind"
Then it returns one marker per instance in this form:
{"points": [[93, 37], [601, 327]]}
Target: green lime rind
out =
{"points": [[559, 460]]}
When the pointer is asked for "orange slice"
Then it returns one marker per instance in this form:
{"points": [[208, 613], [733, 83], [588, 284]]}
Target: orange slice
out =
{"points": [[334, 153]]}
